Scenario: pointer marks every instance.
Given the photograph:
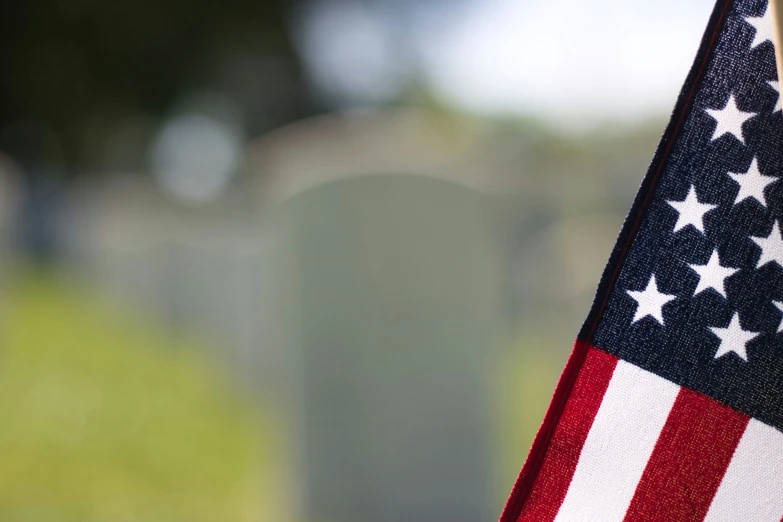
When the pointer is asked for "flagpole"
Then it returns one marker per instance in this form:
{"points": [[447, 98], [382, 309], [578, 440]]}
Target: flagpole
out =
{"points": [[777, 31]]}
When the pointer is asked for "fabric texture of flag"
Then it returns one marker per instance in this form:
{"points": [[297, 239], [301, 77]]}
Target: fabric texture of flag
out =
{"points": [[671, 405]]}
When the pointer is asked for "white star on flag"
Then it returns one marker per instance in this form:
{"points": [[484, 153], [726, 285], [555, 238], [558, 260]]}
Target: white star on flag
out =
{"points": [[752, 183], [733, 338], [775, 85], [779, 305], [650, 302], [713, 275], [771, 247], [763, 26], [691, 211], [730, 120]]}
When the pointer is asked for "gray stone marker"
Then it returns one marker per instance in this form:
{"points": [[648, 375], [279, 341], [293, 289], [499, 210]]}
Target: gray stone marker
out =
{"points": [[9, 201], [200, 270], [393, 323]]}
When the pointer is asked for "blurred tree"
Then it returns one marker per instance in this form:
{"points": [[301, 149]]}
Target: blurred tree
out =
{"points": [[77, 73], [77, 67]]}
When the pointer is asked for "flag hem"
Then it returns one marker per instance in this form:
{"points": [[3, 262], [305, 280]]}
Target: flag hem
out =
{"points": [[524, 483]]}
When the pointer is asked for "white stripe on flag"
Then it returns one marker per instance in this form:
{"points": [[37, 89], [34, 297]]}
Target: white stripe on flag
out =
{"points": [[618, 446], [752, 488]]}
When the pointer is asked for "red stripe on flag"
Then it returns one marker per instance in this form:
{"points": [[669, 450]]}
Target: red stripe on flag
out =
{"points": [[562, 454], [689, 460]]}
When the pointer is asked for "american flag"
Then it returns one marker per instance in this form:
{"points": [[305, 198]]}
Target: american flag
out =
{"points": [[671, 405]]}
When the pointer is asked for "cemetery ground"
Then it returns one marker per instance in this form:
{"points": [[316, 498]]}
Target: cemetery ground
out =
{"points": [[104, 416]]}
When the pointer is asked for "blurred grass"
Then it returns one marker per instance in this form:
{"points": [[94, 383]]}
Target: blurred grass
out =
{"points": [[106, 418], [527, 375]]}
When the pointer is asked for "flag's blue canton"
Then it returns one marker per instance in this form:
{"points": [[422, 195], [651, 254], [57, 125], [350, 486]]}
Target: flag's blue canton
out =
{"points": [[699, 297]]}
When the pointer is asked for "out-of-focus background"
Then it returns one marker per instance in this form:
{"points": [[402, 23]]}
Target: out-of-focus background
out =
{"points": [[306, 261]]}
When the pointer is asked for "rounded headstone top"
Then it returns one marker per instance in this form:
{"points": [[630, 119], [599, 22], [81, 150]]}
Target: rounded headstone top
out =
{"points": [[350, 144]]}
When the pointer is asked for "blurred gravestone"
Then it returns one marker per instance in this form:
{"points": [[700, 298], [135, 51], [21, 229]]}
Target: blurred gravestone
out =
{"points": [[9, 201], [393, 326], [202, 270]]}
